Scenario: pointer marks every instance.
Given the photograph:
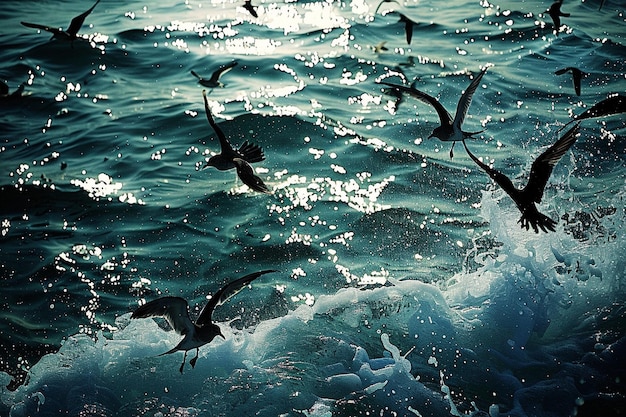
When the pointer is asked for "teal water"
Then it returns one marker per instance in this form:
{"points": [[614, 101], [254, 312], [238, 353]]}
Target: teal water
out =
{"points": [[382, 242]]}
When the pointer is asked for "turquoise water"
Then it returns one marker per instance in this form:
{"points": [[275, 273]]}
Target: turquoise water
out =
{"points": [[405, 285]]}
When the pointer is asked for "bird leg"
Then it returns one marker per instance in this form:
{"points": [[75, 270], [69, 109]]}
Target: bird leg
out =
{"points": [[452, 150], [193, 360]]}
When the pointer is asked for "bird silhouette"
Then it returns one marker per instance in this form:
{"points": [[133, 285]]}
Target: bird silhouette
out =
{"points": [[526, 198], [72, 31], [555, 13], [176, 311], [577, 75], [449, 129], [239, 159], [408, 27], [247, 4], [214, 81]]}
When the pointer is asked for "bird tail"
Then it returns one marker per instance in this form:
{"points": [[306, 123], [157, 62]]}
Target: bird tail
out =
{"points": [[470, 134], [195, 74]]}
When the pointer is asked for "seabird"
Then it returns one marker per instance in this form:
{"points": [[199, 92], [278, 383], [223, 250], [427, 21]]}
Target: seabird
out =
{"points": [[532, 193], [247, 4], [176, 311], [239, 159], [449, 130], [71, 33], [577, 75], [214, 81], [555, 13]]}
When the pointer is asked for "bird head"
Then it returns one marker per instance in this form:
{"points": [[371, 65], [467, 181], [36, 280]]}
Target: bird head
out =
{"points": [[437, 133], [210, 162]]}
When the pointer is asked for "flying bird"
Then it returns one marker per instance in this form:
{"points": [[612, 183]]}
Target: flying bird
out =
{"points": [[532, 193], [176, 311], [555, 13], [577, 75], [239, 159], [247, 4], [214, 81], [72, 31], [449, 129]]}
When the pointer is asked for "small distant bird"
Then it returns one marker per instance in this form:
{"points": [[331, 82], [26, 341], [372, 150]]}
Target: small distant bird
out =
{"points": [[72, 31], [611, 105], [247, 4], [449, 129], [555, 13], [176, 311], [577, 75], [601, 4], [380, 47], [532, 193], [4, 90], [239, 159], [214, 81]]}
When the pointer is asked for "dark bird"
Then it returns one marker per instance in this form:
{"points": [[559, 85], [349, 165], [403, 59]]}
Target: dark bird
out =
{"points": [[577, 75], [72, 31], [532, 193], [614, 104], [449, 129], [555, 13], [247, 4], [214, 81], [239, 159], [176, 311]]}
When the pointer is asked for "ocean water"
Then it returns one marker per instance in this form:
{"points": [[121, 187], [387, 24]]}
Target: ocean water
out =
{"points": [[404, 285]]}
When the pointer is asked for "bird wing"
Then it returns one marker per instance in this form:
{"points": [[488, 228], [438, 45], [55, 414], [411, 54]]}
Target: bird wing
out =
{"points": [[251, 153], [195, 74], [174, 309], [444, 116], [607, 107], [78, 21], [221, 70], [563, 70], [227, 149], [408, 27], [250, 8], [225, 293], [577, 76], [502, 180], [466, 99], [246, 174], [55, 31], [542, 167]]}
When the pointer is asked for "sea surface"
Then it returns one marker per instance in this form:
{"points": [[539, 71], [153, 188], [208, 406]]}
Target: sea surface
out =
{"points": [[404, 285]]}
